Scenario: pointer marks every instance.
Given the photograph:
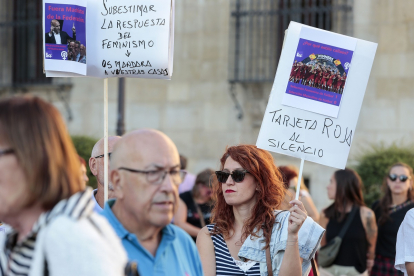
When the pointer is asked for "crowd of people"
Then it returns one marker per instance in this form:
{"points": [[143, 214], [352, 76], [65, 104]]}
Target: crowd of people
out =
{"points": [[318, 76], [242, 219]]}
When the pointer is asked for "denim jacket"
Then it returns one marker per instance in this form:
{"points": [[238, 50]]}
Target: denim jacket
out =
{"points": [[309, 237]]}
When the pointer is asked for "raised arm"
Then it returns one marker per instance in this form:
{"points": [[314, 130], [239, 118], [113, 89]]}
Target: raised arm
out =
{"points": [[292, 262], [206, 250], [370, 225], [310, 208], [323, 222], [180, 220]]}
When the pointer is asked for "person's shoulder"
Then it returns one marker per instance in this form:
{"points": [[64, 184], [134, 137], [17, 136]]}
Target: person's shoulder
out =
{"points": [[366, 212], [182, 237], [180, 233], [410, 214]]}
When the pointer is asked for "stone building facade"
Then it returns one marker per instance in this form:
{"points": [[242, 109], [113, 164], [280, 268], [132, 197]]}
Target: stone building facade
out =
{"points": [[196, 108]]}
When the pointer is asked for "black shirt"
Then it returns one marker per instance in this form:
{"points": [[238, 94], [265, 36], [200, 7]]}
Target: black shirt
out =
{"points": [[354, 246], [387, 232], [192, 215]]}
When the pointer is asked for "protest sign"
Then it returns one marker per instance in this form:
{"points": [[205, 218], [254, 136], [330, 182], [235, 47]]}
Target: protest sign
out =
{"points": [[126, 38], [65, 38], [297, 126]]}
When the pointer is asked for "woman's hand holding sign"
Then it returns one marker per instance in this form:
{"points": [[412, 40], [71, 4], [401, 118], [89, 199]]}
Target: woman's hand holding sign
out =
{"points": [[297, 217]]}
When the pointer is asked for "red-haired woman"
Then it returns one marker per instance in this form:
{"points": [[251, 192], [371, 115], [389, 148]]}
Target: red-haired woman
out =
{"points": [[247, 192], [390, 211]]}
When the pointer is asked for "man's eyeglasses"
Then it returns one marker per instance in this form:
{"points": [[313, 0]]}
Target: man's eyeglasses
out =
{"points": [[102, 155], [237, 175], [6, 151], [158, 176], [393, 177]]}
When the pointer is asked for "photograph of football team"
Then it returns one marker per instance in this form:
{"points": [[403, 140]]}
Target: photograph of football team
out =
{"points": [[319, 74]]}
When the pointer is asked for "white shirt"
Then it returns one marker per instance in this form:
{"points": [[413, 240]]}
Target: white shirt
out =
{"points": [[57, 37], [405, 242]]}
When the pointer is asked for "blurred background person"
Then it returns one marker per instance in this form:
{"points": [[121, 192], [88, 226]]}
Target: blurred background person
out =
{"points": [[287, 174], [189, 179], [82, 58], [54, 229], [194, 209], [357, 250], [84, 176], [96, 165], [390, 211], [290, 176]]}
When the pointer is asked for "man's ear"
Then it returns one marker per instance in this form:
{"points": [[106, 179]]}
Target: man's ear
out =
{"points": [[93, 166], [115, 179]]}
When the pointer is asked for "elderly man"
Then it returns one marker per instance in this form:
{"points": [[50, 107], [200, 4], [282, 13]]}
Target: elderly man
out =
{"points": [[145, 171], [96, 164], [56, 36]]}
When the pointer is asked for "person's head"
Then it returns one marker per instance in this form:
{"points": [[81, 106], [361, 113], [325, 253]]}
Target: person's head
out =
{"points": [[255, 182], [96, 162], [345, 188], [183, 162], [202, 186], [289, 176], [397, 182], [55, 26], [145, 171], [83, 170], [71, 46], [82, 50], [39, 165], [77, 47]]}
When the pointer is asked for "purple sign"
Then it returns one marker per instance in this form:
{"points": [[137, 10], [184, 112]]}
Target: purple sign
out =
{"points": [[65, 37], [319, 72]]}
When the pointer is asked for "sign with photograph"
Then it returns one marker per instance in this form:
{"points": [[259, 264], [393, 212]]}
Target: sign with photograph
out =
{"points": [[309, 117], [65, 37], [319, 72], [129, 38]]}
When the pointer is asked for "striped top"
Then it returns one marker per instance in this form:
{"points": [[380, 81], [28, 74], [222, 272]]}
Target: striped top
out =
{"points": [[225, 264], [26, 257]]}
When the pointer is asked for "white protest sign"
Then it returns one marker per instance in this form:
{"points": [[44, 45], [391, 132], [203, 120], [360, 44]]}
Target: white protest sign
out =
{"points": [[300, 133], [128, 38]]}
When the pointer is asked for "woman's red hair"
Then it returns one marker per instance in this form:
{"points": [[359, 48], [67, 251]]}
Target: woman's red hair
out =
{"points": [[259, 163]]}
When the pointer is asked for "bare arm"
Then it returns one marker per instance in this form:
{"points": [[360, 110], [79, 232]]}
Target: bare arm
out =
{"points": [[206, 250], [323, 222], [310, 208], [292, 263], [370, 225], [410, 269], [180, 220]]}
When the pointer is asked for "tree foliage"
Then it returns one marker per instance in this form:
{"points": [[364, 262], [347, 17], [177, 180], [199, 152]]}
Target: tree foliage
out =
{"points": [[84, 145]]}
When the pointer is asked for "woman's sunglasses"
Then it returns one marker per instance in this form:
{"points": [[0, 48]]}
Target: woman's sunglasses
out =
{"points": [[402, 177], [237, 175]]}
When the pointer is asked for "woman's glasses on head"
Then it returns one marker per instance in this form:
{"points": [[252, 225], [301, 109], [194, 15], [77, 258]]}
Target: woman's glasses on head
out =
{"points": [[237, 175], [402, 177]]}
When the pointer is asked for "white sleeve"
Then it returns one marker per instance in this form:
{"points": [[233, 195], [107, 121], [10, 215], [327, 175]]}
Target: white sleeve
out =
{"points": [[405, 242], [79, 248]]}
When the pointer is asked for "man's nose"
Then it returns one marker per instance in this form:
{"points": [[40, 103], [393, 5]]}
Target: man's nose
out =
{"points": [[167, 183]]}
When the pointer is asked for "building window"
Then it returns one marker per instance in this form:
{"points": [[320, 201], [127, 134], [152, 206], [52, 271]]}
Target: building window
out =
{"points": [[258, 26], [22, 43]]}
